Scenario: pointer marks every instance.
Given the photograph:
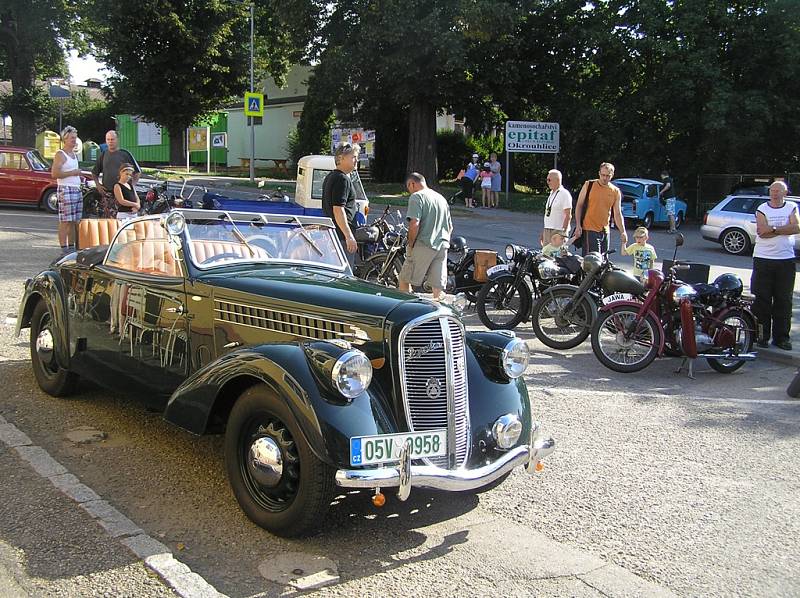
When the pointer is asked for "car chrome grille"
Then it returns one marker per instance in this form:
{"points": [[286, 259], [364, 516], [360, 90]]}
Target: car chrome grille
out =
{"points": [[434, 382], [281, 322]]}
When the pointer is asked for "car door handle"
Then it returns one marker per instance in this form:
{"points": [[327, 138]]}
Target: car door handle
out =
{"points": [[176, 310]]}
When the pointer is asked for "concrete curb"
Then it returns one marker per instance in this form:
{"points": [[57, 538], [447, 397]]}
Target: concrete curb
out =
{"points": [[155, 555], [779, 356]]}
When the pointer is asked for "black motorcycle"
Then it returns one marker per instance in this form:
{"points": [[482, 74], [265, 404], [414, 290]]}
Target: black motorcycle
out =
{"points": [[505, 300], [373, 240], [563, 315]]}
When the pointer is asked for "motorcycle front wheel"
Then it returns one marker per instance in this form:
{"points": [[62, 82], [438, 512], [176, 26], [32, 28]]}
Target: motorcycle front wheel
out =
{"points": [[504, 303], [621, 343], [553, 327], [736, 320], [374, 271]]}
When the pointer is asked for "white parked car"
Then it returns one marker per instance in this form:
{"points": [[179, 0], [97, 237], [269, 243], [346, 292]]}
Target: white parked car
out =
{"points": [[311, 172], [732, 223]]}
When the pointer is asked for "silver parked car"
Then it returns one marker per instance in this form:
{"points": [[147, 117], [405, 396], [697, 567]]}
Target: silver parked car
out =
{"points": [[732, 223]]}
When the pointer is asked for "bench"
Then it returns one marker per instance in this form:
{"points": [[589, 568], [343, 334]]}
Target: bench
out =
{"points": [[280, 163]]}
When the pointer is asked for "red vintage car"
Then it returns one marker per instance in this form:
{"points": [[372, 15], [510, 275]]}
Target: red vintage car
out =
{"points": [[25, 178]]}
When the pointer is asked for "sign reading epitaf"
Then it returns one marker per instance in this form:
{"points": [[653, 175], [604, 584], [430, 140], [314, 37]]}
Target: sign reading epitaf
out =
{"points": [[254, 104], [219, 140], [532, 137]]}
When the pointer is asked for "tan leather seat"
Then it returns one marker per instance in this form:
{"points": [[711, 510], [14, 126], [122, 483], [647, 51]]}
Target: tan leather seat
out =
{"points": [[204, 250], [148, 256], [96, 231]]}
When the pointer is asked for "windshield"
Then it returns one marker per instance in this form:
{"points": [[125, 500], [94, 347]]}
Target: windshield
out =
{"points": [[36, 160], [219, 241], [628, 188]]}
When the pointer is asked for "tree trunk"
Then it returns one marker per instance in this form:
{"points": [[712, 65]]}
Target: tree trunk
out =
{"points": [[177, 145], [23, 82], [422, 141], [391, 147]]}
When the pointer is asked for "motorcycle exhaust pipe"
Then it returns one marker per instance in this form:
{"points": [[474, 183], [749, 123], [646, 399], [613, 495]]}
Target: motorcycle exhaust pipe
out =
{"points": [[739, 357]]}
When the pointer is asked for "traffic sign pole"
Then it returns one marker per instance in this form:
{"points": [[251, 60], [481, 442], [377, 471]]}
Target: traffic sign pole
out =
{"points": [[252, 128]]}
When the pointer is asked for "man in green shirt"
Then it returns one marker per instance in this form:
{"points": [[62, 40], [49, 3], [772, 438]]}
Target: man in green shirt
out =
{"points": [[429, 230]]}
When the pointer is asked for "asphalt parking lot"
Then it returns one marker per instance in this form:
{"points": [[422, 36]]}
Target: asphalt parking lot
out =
{"points": [[659, 485]]}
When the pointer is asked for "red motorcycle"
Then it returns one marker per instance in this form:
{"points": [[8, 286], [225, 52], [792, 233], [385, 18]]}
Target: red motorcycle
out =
{"points": [[680, 320]]}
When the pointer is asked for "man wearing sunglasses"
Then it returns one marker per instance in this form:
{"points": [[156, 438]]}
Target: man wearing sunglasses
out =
{"points": [[557, 210]]}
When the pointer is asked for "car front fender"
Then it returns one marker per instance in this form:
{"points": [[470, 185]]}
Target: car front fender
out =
{"points": [[47, 286], [202, 403]]}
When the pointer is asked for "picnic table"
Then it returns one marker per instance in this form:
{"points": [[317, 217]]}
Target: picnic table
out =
{"points": [[280, 163]]}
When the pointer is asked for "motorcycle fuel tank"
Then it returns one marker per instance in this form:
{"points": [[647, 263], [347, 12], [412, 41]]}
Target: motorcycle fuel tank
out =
{"points": [[619, 281]]}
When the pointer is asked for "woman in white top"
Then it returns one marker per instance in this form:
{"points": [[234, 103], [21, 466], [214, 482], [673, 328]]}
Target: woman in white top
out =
{"points": [[70, 202], [774, 268]]}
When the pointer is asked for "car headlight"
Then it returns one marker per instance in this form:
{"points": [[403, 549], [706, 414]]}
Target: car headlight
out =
{"points": [[459, 302], [352, 373], [516, 356], [510, 250], [685, 291], [506, 430], [174, 222]]}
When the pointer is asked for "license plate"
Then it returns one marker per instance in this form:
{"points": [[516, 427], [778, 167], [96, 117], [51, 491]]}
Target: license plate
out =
{"points": [[497, 268], [617, 297], [366, 450]]}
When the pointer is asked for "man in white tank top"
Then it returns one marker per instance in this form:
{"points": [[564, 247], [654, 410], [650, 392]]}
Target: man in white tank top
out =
{"points": [[774, 267], [67, 173]]}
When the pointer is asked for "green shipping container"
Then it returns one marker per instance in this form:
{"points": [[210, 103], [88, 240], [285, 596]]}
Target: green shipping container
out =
{"points": [[150, 143]]}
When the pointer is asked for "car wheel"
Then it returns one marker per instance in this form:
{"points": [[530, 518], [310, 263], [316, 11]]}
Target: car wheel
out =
{"points": [[278, 481], [51, 377], [648, 220], [50, 201], [736, 241]]}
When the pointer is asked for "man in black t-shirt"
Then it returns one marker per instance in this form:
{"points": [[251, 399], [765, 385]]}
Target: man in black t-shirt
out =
{"points": [[339, 197]]}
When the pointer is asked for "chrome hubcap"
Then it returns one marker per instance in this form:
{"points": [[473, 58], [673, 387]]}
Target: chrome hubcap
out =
{"points": [[265, 462], [44, 345]]}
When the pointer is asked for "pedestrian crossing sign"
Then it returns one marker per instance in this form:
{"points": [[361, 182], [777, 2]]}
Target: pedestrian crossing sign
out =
{"points": [[254, 104]]}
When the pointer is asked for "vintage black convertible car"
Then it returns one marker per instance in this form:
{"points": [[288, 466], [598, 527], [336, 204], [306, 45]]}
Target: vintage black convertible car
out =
{"points": [[252, 325]]}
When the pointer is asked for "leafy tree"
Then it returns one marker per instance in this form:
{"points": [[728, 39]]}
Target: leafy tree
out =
{"points": [[176, 61], [33, 39]]}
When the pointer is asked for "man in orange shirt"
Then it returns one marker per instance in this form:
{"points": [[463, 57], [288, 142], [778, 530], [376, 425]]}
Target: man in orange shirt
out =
{"points": [[605, 197]]}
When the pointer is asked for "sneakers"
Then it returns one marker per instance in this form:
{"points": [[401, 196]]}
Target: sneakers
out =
{"points": [[785, 345]]}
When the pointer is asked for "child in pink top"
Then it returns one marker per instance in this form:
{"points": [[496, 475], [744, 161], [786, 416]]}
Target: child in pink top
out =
{"points": [[486, 184]]}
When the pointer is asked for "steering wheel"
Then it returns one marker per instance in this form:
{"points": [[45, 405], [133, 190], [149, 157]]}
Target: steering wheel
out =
{"points": [[220, 256], [306, 250], [264, 243]]}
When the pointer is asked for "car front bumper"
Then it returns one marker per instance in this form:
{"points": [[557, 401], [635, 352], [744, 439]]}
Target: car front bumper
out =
{"points": [[710, 233], [404, 475]]}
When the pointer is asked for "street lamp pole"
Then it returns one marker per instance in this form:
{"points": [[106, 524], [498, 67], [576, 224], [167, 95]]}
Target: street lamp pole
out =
{"points": [[252, 128]]}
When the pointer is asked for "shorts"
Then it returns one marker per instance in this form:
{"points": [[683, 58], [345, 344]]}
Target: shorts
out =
{"points": [[670, 206], [70, 204], [122, 216], [425, 263], [496, 181]]}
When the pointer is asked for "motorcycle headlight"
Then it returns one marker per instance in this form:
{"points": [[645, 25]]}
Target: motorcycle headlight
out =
{"points": [[516, 356], [548, 269], [352, 373], [459, 302], [510, 250], [685, 291]]}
